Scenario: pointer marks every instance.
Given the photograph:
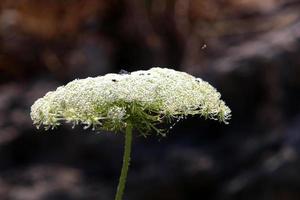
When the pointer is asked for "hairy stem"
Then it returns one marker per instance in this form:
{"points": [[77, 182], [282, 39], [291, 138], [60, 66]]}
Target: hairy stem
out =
{"points": [[126, 160]]}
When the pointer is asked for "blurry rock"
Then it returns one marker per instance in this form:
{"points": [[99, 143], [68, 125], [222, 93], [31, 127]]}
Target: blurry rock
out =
{"points": [[49, 182]]}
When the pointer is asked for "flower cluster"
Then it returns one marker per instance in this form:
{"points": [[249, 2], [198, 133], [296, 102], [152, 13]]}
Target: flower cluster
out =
{"points": [[142, 98]]}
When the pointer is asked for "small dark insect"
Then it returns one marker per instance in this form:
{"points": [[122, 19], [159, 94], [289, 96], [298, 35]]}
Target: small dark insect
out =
{"points": [[114, 80], [203, 46], [148, 73], [122, 71]]}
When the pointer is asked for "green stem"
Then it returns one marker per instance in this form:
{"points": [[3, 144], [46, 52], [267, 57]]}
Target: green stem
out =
{"points": [[126, 160]]}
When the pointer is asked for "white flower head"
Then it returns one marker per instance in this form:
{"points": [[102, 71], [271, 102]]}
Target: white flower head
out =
{"points": [[142, 98]]}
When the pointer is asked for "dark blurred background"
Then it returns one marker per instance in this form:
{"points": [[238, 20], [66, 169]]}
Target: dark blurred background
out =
{"points": [[248, 49]]}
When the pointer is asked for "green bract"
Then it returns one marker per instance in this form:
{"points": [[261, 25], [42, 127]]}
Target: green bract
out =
{"points": [[142, 98]]}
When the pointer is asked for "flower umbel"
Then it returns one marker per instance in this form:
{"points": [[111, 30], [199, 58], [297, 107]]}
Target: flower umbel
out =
{"points": [[123, 102], [145, 98]]}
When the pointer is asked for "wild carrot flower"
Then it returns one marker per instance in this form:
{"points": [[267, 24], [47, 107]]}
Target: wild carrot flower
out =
{"points": [[140, 100], [145, 98]]}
